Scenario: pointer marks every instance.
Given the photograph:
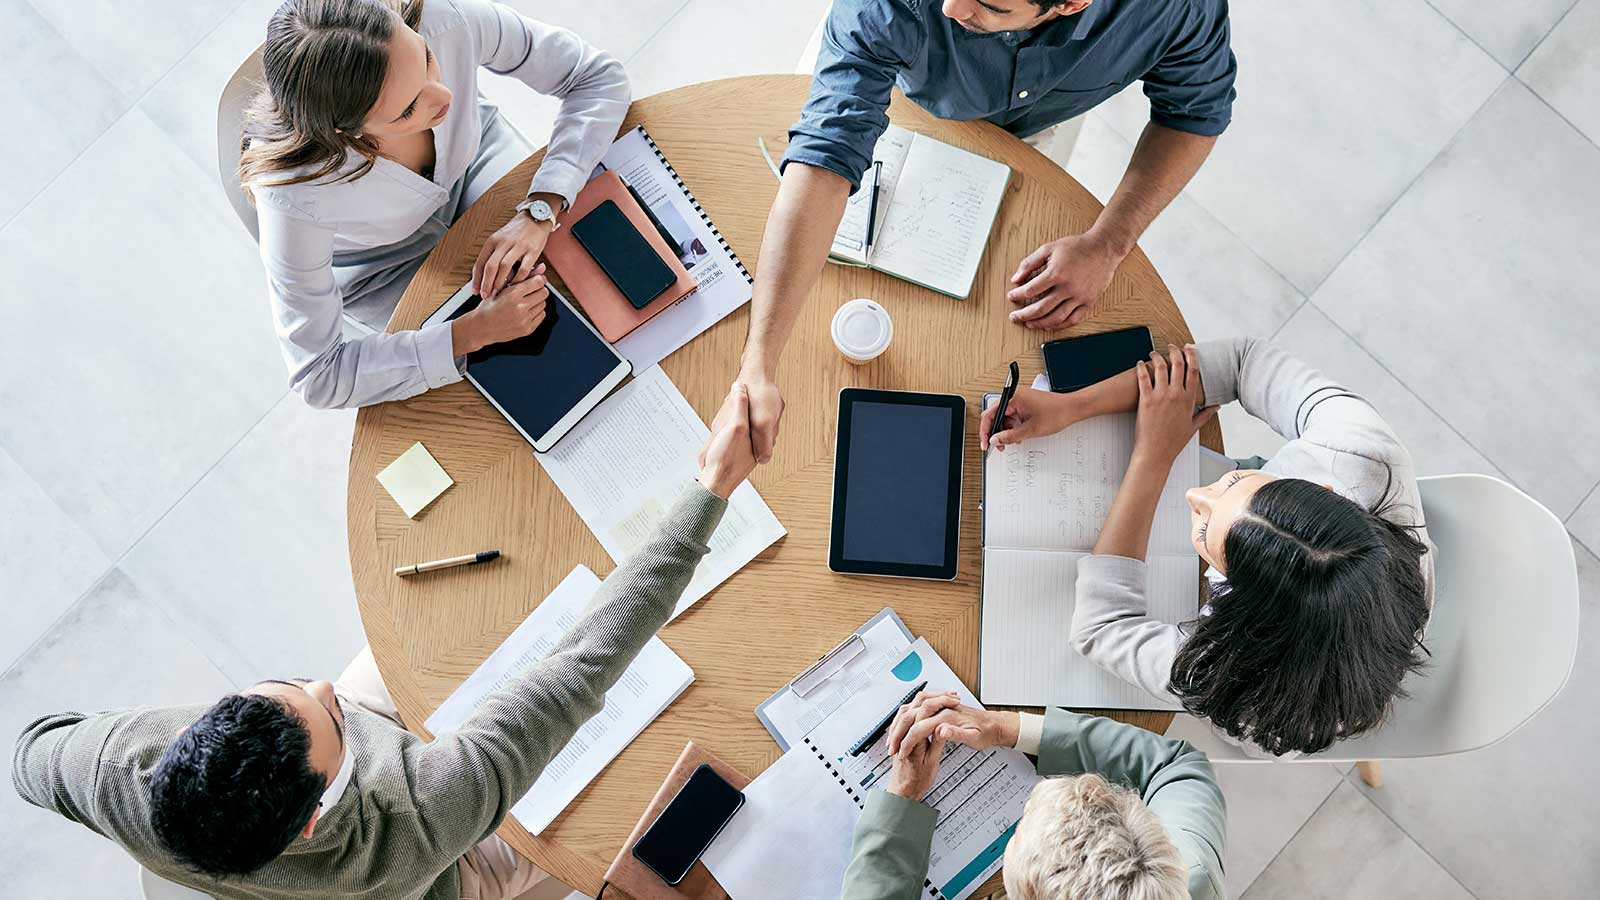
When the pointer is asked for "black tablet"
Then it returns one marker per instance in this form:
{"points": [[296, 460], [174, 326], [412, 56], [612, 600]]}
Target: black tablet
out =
{"points": [[897, 484], [545, 382]]}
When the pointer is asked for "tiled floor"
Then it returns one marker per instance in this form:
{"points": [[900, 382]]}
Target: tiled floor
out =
{"points": [[1407, 198]]}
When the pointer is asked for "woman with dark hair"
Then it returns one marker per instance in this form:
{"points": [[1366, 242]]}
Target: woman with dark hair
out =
{"points": [[1321, 570], [368, 139]]}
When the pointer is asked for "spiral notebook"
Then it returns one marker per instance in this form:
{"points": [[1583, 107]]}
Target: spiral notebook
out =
{"points": [[792, 838], [722, 283]]}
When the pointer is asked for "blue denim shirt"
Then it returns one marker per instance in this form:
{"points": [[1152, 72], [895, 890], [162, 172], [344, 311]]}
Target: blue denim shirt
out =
{"points": [[1023, 81]]}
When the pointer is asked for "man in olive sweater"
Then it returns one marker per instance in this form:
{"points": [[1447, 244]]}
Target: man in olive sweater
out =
{"points": [[296, 789], [1135, 815]]}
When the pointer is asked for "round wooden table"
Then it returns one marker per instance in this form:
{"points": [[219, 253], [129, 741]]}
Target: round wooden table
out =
{"points": [[777, 615]]}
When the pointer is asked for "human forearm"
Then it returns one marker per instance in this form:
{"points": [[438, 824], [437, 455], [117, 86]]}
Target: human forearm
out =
{"points": [[793, 250], [889, 850], [522, 726], [1162, 164], [1127, 528]]}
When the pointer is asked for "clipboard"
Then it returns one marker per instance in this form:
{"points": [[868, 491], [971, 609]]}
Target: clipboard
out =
{"points": [[816, 676]]}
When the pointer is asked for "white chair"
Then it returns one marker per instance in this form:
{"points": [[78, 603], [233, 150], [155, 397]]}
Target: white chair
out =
{"points": [[236, 95], [1503, 636], [154, 887]]}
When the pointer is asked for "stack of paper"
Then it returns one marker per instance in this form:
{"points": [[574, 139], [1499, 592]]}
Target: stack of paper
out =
{"points": [[648, 687]]}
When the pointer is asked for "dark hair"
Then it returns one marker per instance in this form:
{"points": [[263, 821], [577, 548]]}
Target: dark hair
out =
{"points": [[1317, 624], [324, 62], [234, 791]]}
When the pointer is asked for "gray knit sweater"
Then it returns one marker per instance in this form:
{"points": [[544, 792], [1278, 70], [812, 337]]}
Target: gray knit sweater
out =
{"points": [[412, 809]]}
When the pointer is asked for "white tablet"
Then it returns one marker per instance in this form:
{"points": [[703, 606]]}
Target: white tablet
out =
{"points": [[546, 382]]}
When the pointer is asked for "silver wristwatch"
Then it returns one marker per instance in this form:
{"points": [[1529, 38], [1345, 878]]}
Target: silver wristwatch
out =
{"points": [[538, 209]]}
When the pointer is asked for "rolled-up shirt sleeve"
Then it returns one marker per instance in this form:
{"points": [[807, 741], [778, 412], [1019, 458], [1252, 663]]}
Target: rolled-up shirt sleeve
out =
{"points": [[1191, 88], [591, 84], [864, 47], [327, 370]]}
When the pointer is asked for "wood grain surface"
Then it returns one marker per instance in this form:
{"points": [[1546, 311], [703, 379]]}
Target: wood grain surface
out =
{"points": [[781, 612]]}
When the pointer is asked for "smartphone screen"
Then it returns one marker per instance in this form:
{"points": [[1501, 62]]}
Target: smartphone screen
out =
{"points": [[1076, 363], [688, 825], [623, 253]]}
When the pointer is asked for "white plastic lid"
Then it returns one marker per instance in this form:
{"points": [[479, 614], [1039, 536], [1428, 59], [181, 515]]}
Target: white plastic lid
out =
{"points": [[862, 328]]}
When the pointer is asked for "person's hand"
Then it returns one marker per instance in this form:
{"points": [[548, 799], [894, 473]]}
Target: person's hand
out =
{"points": [[519, 241], [1061, 281], [913, 773], [1169, 393], [1030, 414], [940, 716], [766, 411], [516, 312], [727, 460]]}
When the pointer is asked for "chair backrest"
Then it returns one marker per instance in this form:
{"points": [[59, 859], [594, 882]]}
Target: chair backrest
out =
{"points": [[154, 887], [1503, 635], [230, 125]]}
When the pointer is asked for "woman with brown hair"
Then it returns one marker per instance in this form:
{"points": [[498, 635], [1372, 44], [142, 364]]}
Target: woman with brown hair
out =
{"points": [[369, 139]]}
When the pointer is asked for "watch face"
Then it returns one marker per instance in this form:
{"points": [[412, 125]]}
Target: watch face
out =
{"points": [[540, 211]]}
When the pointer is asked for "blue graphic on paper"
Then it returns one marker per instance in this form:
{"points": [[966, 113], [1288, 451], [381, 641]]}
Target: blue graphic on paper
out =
{"points": [[908, 668]]}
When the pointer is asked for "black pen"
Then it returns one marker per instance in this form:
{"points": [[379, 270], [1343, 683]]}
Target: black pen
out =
{"points": [[877, 732], [1005, 400], [872, 208]]}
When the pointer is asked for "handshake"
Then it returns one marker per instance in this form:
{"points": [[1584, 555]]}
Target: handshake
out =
{"points": [[727, 458], [922, 727]]}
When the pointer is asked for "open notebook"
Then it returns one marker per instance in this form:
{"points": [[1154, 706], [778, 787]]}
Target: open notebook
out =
{"points": [[936, 205], [1044, 502]]}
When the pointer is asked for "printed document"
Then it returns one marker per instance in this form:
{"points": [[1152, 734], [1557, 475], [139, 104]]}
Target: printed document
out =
{"points": [[630, 459], [648, 687], [979, 796]]}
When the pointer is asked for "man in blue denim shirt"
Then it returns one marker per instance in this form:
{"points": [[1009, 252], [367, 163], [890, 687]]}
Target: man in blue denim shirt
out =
{"points": [[1025, 65]]}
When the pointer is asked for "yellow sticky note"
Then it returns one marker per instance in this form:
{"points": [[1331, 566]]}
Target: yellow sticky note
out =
{"points": [[414, 480]]}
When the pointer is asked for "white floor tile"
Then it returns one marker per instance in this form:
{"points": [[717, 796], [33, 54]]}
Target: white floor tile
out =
{"points": [[620, 28], [1223, 288], [184, 101], [1517, 820], [1350, 851], [46, 560], [1340, 106], [1510, 31], [1565, 69], [132, 43], [254, 564], [1435, 447], [721, 38], [41, 75], [1267, 804], [145, 348], [1585, 523], [113, 650], [1478, 292]]}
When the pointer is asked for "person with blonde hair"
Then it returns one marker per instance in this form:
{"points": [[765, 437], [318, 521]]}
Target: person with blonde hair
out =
{"points": [[1127, 814], [368, 139]]}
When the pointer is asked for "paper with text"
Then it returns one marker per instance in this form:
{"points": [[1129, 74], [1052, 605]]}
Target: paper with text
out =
{"points": [[791, 716], [630, 459], [979, 796], [935, 230], [656, 678]]}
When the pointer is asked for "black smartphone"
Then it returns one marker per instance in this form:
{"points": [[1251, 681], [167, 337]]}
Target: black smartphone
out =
{"points": [[688, 825], [623, 254], [1074, 363]]}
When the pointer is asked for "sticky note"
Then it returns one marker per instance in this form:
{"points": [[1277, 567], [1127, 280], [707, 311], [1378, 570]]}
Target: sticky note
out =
{"points": [[414, 480]]}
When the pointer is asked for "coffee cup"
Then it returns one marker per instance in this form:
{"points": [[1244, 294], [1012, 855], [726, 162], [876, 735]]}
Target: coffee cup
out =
{"points": [[862, 330]]}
